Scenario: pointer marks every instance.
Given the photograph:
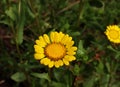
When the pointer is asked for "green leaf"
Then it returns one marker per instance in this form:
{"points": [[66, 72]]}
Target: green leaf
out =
{"points": [[18, 77], [21, 23], [11, 13], [19, 36], [81, 50], [41, 76]]}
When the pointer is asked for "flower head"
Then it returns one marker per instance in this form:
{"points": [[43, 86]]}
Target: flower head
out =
{"points": [[113, 33], [55, 50]]}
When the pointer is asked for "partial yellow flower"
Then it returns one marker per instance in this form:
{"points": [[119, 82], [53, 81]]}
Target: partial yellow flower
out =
{"points": [[55, 50], [113, 33]]}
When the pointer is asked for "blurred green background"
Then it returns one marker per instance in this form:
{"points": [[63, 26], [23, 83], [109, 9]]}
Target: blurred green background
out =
{"points": [[23, 21]]}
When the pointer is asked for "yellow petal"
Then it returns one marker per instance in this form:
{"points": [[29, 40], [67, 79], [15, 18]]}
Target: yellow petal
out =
{"points": [[56, 35], [38, 56], [42, 61], [38, 49], [41, 39], [57, 65], [71, 53], [51, 64], [66, 57], [60, 62], [46, 61], [72, 48], [40, 43], [69, 39], [46, 38], [66, 62], [69, 44], [37, 42], [52, 36], [64, 39], [69, 58], [61, 35]]}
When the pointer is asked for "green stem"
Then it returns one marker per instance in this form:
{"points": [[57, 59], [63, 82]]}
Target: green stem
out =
{"points": [[18, 49], [50, 73]]}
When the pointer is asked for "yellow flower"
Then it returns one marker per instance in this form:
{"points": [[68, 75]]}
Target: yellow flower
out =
{"points": [[55, 50], [113, 33]]}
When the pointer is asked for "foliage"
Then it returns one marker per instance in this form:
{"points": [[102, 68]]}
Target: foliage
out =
{"points": [[22, 21]]}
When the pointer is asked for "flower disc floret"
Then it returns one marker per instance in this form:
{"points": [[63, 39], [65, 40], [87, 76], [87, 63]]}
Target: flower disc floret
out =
{"points": [[55, 51]]}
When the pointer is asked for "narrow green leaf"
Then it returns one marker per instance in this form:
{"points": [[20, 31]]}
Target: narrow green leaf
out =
{"points": [[111, 48], [21, 23], [19, 38]]}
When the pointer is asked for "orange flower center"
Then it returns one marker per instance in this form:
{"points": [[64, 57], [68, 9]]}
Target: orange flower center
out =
{"points": [[55, 51], [113, 34]]}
